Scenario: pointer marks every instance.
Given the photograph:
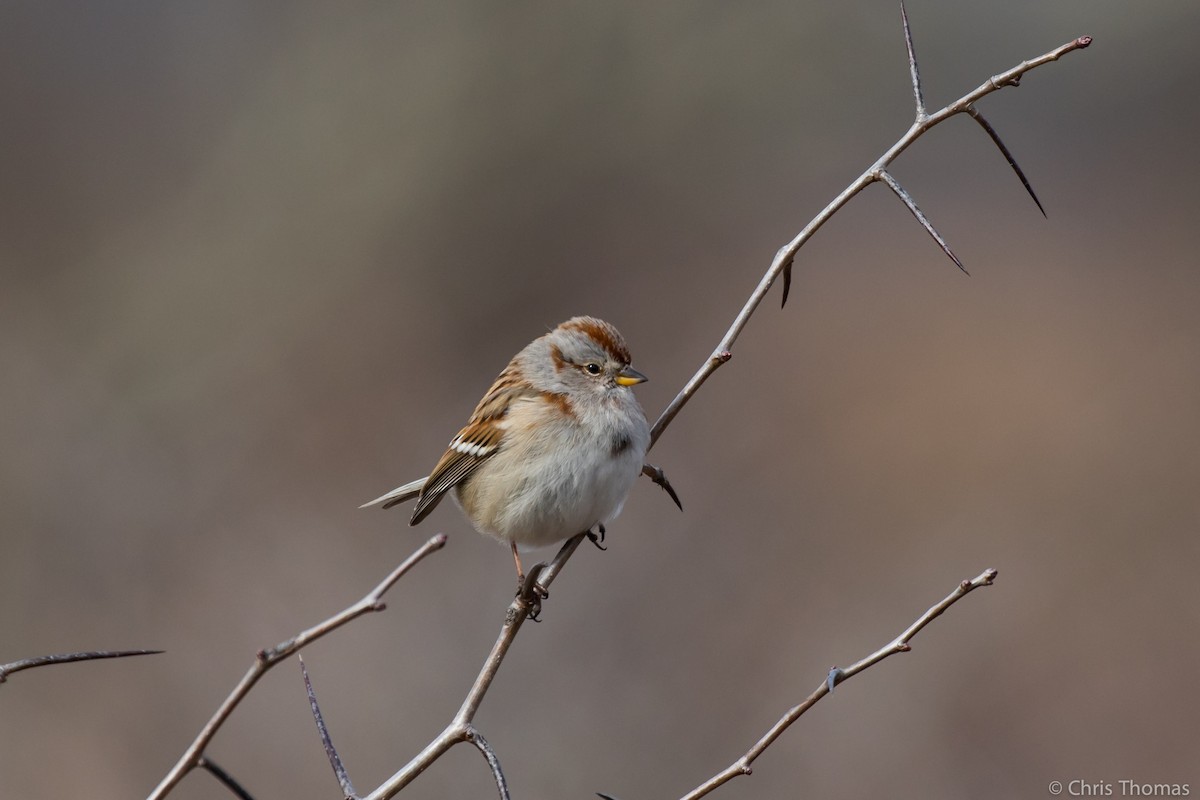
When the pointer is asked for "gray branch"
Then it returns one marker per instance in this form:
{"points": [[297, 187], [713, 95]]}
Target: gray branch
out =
{"points": [[837, 675], [267, 658], [67, 658], [461, 728], [784, 258], [335, 761]]}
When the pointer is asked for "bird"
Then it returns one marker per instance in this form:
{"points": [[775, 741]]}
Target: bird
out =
{"points": [[553, 448]]}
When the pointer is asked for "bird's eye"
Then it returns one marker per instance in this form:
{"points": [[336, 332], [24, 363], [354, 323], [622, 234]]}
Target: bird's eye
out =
{"points": [[592, 368]]}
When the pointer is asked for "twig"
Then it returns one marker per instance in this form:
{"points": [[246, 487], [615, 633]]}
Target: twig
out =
{"points": [[224, 777], [335, 761], [66, 658], [267, 658], [489, 755], [461, 728], [898, 645], [782, 264]]}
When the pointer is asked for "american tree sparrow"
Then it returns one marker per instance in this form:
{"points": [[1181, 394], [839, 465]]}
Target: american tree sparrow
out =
{"points": [[552, 449]]}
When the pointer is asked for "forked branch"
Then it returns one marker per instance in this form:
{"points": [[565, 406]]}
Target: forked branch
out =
{"points": [[460, 728], [269, 657], [784, 258], [837, 675]]}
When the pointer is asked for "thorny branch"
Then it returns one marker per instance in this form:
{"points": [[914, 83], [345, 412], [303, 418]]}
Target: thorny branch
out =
{"points": [[837, 675], [66, 658], [461, 728], [782, 264], [267, 658]]}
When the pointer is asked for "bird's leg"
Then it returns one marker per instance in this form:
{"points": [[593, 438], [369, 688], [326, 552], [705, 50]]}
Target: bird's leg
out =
{"points": [[528, 586], [532, 592], [517, 561]]}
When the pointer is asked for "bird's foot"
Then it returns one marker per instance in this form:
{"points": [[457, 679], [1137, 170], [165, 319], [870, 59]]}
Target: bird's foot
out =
{"points": [[532, 592]]}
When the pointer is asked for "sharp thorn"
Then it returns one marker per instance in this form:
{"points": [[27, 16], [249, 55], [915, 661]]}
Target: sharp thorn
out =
{"points": [[787, 280], [907, 199], [914, 72], [1008, 156]]}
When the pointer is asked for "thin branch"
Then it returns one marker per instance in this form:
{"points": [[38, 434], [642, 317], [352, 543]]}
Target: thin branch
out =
{"points": [[914, 73], [547, 575], [224, 777], [267, 658], [66, 658], [489, 755], [1012, 162], [898, 645], [784, 258], [907, 199], [335, 761], [460, 728], [526, 601]]}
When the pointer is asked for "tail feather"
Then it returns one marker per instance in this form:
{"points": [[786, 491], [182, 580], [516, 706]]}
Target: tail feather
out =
{"points": [[398, 495]]}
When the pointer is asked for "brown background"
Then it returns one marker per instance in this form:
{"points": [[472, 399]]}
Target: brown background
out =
{"points": [[259, 264]]}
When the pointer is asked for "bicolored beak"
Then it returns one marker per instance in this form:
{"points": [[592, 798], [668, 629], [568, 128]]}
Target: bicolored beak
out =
{"points": [[630, 377]]}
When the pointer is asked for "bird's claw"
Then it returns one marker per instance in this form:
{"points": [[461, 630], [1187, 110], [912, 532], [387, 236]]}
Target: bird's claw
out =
{"points": [[532, 592]]}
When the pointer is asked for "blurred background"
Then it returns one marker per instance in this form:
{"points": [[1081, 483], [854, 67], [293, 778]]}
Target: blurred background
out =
{"points": [[258, 263]]}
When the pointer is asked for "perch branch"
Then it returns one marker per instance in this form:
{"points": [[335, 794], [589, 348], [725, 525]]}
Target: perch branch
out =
{"points": [[525, 603], [461, 728], [898, 645], [267, 658]]}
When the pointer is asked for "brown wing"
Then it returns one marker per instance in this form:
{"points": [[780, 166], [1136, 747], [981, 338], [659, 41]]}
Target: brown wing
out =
{"points": [[481, 439]]}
